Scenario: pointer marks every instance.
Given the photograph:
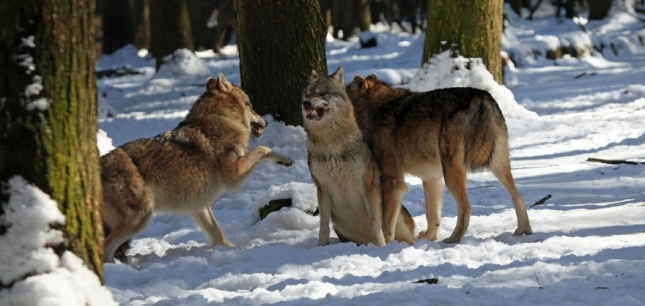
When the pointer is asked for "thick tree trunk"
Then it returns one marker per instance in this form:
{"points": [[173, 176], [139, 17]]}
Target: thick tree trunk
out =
{"points": [[141, 21], [118, 25], [48, 113], [279, 44], [169, 28], [472, 28]]}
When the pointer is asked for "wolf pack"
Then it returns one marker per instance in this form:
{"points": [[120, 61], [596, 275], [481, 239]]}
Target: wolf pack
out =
{"points": [[362, 139]]}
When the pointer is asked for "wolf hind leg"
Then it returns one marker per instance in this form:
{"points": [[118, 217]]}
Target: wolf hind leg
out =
{"points": [[207, 222], [502, 170]]}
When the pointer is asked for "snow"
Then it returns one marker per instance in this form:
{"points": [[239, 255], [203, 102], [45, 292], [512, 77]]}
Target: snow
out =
{"points": [[23, 251], [588, 241]]}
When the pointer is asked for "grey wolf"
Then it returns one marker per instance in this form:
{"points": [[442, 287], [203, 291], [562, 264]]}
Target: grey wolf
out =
{"points": [[434, 135], [346, 175], [184, 170]]}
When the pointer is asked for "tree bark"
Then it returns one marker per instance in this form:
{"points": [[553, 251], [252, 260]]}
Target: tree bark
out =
{"points": [[279, 42], [169, 28], [471, 28], [48, 114]]}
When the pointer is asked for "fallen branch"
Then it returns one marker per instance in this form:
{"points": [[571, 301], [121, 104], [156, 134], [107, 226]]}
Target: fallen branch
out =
{"points": [[612, 161], [431, 281], [541, 201]]}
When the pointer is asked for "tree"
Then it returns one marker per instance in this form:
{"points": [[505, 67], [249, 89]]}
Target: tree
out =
{"points": [[48, 114], [599, 9], [118, 25], [279, 42], [471, 28], [169, 28], [141, 20]]}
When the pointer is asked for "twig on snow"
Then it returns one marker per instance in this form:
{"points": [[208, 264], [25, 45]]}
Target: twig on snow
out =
{"points": [[612, 161], [541, 201]]}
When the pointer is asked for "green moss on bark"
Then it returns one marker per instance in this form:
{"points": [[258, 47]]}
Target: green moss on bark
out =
{"points": [[472, 28]]}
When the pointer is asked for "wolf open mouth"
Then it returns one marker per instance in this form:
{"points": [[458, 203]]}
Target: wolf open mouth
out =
{"points": [[256, 129], [314, 113]]}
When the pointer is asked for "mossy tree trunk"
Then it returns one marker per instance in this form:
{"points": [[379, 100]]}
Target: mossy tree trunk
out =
{"points": [[169, 28], [471, 28], [48, 114], [279, 42]]}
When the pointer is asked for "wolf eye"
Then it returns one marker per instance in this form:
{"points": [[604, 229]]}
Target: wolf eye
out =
{"points": [[322, 94]]}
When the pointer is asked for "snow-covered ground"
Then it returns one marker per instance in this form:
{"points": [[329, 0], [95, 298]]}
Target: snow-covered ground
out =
{"points": [[589, 242]]}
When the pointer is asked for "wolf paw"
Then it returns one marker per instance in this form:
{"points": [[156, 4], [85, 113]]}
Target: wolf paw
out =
{"points": [[281, 159], [287, 163], [451, 240], [523, 231], [428, 235]]}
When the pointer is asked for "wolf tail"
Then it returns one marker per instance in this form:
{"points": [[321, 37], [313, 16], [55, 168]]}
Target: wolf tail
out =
{"points": [[485, 130]]}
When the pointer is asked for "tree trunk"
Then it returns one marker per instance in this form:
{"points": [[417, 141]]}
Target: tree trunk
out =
{"points": [[599, 9], [141, 23], [118, 25], [169, 28], [48, 114], [279, 44], [468, 27]]}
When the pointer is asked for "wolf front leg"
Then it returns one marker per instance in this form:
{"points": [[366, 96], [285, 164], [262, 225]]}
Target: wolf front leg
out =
{"points": [[393, 189], [324, 208], [242, 166]]}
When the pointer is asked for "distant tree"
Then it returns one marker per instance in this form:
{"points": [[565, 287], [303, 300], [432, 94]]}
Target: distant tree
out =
{"points": [[118, 25], [349, 15], [141, 22], [279, 42], [169, 28], [48, 115], [598, 9], [471, 28], [225, 24]]}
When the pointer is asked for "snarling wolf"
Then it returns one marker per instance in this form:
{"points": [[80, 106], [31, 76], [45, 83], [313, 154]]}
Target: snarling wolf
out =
{"points": [[185, 170], [434, 135], [347, 177]]}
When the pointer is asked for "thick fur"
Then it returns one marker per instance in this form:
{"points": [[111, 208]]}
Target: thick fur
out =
{"points": [[437, 134], [184, 170], [343, 168]]}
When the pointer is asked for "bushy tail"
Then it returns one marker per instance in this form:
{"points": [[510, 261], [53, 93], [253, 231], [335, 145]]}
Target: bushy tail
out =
{"points": [[484, 128]]}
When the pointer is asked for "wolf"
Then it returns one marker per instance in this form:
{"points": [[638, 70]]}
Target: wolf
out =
{"points": [[343, 168], [184, 170], [434, 135]]}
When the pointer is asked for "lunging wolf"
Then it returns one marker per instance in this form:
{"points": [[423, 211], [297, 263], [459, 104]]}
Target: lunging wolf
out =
{"points": [[443, 133], [346, 175], [184, 170]]}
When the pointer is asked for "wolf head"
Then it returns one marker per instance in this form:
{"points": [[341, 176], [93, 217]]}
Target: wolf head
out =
{"points": [[324, 95], [360, 86], [223, 99]]}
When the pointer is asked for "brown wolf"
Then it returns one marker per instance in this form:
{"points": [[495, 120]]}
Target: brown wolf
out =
{"points": [[343, 168], [437, 134], [186, 169]]}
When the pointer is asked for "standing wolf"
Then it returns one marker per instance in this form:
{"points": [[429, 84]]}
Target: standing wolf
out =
{"points": [[343, 168], [437, 134], [186, 169]]}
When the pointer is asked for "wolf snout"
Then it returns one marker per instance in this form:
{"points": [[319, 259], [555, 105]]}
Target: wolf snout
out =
{"points": [[307, 104]]}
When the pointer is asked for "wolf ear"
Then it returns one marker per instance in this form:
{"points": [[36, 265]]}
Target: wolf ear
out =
{"points": [[339, 75], [360, 83], [372, 77], [219, 84], [314, 76]]}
